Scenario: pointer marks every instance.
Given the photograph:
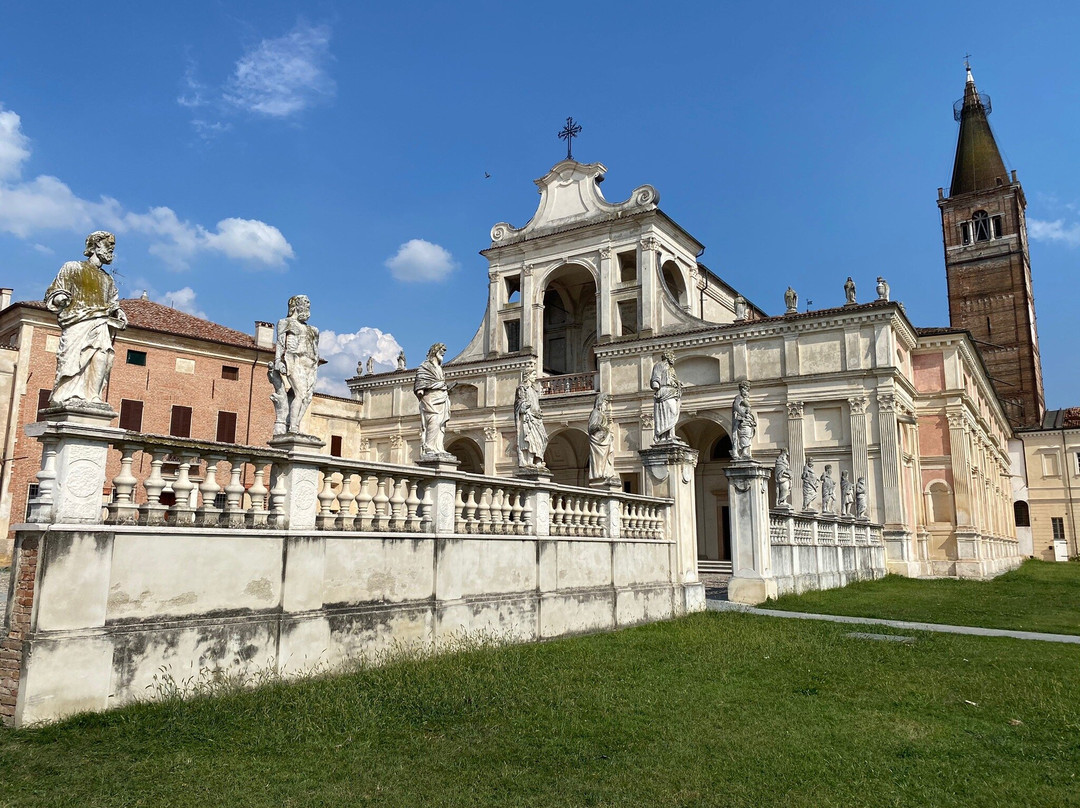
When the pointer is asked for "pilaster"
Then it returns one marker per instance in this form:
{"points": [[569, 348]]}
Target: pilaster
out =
{"points": [[751, 548], [298, 478], [603, 296], [648, 275], [796, 446]]}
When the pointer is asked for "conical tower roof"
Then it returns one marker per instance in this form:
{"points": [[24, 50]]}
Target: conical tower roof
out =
{"points": [[978, 165]]}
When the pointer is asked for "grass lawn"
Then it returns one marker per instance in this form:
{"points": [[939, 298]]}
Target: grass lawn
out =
{"points": [[1038, 596], [711, 710]]}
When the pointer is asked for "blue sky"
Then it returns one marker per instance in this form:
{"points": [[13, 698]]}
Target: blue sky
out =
{"points": [[245, 152]]}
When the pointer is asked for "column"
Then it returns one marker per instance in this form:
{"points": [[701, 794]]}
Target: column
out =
{"points": [[796, 450], [961, 469], [890, 460], [860, 462], [751, 545]]}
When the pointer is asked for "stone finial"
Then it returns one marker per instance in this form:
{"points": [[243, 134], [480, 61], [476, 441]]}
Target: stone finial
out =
{"points": [[791, 301], [87, 306], [882, 289], [295, 367]]}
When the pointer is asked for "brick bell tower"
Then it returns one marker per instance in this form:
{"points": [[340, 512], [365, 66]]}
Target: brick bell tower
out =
{"points": [[987, 263]]}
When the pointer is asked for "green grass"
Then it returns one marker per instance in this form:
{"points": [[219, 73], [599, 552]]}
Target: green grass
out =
{"points": [[711, 710], [1038, 596]]}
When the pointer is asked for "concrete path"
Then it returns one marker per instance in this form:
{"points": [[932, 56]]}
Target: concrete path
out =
{"points": [[727, 606]]}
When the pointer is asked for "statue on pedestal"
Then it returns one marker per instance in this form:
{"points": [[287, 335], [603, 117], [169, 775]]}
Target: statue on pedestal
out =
{"points": [[370, 365], [782, 476], [741, 308], [295, 367], [861, 506], [743, 423], [87, 306], [828, 491], [809, 485], [433, 395], [667, 399], [401, 363], [601, 440], [847, 494], [532, 438], [791, 301], [849, 291]]}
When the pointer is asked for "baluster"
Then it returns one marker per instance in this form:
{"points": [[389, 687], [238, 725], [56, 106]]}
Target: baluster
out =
{"points": [[485, 510], [41, 506], [153, 512], [327, 498], [528, 528], [397, 504], [516, 521], [257, 511], [459, 510], [412, 505], [276, 518], [122, 509], [365, 501], [507, 510], [381, 520], [182, 512], [594, 518], [208, 512], [426, 509], [497, 527], [578, 518], [470, 511], [345, 518], [234, 516]]}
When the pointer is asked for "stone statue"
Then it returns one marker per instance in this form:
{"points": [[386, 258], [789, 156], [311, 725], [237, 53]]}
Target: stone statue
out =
{"points": [[87, 307], [828, 491], [401, 363], [743, 423], [782, 475], [667, 399], [741, 308], [370, 365], [601, 440], [791, 300], [847, 494], [433, 395], [861, 507], [360, 368], [295, 366], [849, 291], [532, 437], [809, 485], [882, 289]]}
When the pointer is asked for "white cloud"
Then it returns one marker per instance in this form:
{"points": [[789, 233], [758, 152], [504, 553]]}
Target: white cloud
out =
{"points": [[41, 248], [14, 145], [283, 76], [419, 260], [47, 203], [343, 351], [183, 300], [1056, 230]]}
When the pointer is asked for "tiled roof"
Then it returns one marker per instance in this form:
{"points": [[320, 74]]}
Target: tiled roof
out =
{"points": [[1068, 418], [151, 316]]}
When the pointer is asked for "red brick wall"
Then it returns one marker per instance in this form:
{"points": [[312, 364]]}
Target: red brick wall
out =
{"points": [[24, 575]]}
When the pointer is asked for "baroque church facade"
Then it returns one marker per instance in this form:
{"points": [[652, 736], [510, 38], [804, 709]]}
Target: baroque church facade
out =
{"points": [[590, 293]]}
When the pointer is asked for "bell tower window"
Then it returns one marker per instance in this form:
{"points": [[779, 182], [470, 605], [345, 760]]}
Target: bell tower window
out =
{"points": [[981, 223]]}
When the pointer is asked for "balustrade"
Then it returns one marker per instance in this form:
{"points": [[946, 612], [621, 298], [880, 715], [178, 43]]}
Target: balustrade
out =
{"points": [[787, 528]]}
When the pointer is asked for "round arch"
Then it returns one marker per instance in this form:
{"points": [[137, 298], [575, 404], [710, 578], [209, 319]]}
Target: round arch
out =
{"points": [[567, 456], [468, 452], [568, 295], [672, 274], [713, 444]]}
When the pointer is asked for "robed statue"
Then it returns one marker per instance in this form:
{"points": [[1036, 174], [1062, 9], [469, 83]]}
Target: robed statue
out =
{"points": [[743, 423], [433, 395], [667, 399], [295, 367], [828, 491], [532, 437], [809, 485], [782, 476], [87, 306], [601, 440]]}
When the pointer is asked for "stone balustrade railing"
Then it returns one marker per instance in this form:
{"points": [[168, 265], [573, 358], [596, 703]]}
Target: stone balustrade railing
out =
{"points": [[798, 529], [568, 383], [291, 486]]}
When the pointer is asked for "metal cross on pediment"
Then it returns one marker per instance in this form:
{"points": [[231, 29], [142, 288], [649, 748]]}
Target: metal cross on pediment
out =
{"points": [[568, 133]]}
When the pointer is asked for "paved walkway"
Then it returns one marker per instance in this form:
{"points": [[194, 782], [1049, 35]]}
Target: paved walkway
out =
{"points": [[726, 606]]}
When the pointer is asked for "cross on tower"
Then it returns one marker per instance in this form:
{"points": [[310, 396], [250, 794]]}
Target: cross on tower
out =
{"points": [[568, 133]]}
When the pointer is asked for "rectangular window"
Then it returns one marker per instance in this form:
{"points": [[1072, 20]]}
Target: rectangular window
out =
{"points": [[180, 422], [628, 266], [1057, 523], [221, 499], [226, 427], [965, 232], [513, 335], [513, 288], [335, 445], [136, 358], [230, 373], [131, 415], [31, 495], [997, 226], [627, 317], [42, 402], [1077, 463]]}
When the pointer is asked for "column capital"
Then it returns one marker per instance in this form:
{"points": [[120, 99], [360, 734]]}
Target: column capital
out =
{"points": [[795, 409], [858, 404]]}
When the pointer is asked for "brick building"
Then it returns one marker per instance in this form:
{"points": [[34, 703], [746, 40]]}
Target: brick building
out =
{"points": [[174, 374]]}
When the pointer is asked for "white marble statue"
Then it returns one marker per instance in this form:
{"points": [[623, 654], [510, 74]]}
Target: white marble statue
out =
{"points": [[828, 491], [882, 289], [743, 423], [370, 365], [532, 437], [791, 300], [667, 399], [295, 367], [849, 291], [601, 440], [847, 494], [433, 395], [782, 476], [402, 364], [809, 485], [87, 307], [741, 308], [861, 505]]}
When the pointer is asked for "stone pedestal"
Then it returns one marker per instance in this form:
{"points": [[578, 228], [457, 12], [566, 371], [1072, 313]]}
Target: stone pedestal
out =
{"points": [[669, 473], [74, 453], [536, 474], [443, 491], [299, 477], [440, 463], [751, 548]]}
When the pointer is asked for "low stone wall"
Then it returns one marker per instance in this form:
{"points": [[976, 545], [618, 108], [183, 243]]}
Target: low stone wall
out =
{"points": [[115, 605], [823, 552]]}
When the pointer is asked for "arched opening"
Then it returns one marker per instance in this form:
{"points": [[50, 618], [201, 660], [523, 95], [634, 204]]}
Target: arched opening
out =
{"points": [[941, 502], [673, 280], [1021, 514], [710, 487], [469, 453], [567, 456], [569, 321]]}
